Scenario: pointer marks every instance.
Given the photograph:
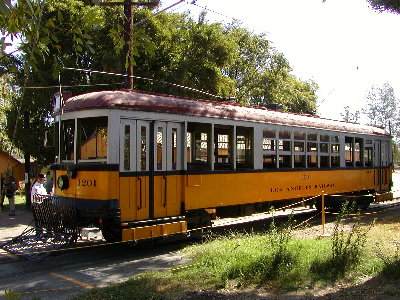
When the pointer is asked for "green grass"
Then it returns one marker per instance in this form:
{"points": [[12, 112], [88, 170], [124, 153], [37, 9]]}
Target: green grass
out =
{"points": [[274, 261], [19, 202]]}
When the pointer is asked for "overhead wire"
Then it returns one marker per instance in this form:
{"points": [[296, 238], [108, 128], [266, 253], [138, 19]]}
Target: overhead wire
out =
{"points": [[146, 79]]}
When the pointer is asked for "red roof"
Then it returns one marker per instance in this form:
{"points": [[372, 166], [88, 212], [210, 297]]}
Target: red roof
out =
{"points": [[175, 105]]}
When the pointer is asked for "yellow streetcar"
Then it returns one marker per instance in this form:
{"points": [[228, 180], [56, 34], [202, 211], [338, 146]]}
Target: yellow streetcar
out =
{"points": [[141, 165]]}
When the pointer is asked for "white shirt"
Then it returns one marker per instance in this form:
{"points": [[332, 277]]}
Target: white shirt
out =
{"points": [[39, 189]]}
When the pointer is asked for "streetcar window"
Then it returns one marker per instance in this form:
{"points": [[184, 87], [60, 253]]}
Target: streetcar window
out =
{"points": [[269, 140], [368, 156], [324, 162], [299, 161], [67, 140], [127, 148], [298, 146], [198, 146], [244, 147], [92, 138], [269, 161], [324, 147], [143, 150], [312, 161], [335, 139], [324, 138], [358, 146], [335, 148], [299, 135], [174, 147], [349, 151], [285, 161], [285, 135], [223, 147], [335, 161], [159, 148], [312, 137], [368, 142], [284, 145], [311, 147]]}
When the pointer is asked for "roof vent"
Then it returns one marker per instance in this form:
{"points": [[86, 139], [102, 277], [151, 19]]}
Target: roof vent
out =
{"points": [[274, 106]]}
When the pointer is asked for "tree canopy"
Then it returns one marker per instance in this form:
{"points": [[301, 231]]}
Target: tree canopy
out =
{"points": [[225, 60], [386, 5]]}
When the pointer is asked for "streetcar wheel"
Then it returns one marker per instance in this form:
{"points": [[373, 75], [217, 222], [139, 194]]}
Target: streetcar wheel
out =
{"points": [[111, 231]]}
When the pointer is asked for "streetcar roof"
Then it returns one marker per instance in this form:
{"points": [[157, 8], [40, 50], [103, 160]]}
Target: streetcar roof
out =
{"points": [[131, 99]]}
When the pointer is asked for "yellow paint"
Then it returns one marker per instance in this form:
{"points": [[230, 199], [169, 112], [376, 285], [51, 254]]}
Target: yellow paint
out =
{"points": [[167, 195], [231, 189], [158, 230], [134, 198], [100, 185], [80, 283]]}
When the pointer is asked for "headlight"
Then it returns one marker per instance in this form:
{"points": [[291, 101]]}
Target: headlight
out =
{"points": [[63, 182]]}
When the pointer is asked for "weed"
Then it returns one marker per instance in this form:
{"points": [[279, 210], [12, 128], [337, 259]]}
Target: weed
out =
{"points": [[347, 248], [391, 268]]}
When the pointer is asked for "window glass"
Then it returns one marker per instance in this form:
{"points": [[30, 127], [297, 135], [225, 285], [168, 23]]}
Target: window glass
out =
{"points": [[324, 162], [244, 153], [127, 148], [312, 161], [67, 140], [298, 146], [335, 148], [368, 157], [358, 146], [299, 161], [268, 145], [335, 161], [269, 161], [284, 145], [311, 147], [348, 148], [223, 139], [198, 146], [174, 147], [299, 135], [159, 148], [285, 135], [92, 138], [312, 137], [143, 150], [324, 138], [335, 139], [324, 147], [285, 161], [269, 134]]}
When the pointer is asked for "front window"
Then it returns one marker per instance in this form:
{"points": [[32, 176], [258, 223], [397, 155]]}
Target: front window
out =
{"points": [[92, 138], [67, 140]]}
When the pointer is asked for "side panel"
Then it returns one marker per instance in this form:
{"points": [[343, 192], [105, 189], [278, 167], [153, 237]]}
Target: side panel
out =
{"points": [[213, 190], [96, 185]]}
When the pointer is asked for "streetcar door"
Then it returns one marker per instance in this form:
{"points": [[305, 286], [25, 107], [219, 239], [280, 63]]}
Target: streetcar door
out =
{"points": [[134, 170], [167, 141], [378, 165]]}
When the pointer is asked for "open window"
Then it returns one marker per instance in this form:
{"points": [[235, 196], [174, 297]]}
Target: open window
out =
{"points": [[92, 139], [244, 148], [223, 140], [349, 151], [198, 146], [67, 150]]}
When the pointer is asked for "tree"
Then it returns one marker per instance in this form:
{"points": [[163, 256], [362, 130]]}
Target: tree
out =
{"points": [[383, 109], [386, 5], [348, 116], [227, 61]]}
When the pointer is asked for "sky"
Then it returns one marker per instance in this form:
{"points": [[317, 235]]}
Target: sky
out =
{"points": [[343, 45]]}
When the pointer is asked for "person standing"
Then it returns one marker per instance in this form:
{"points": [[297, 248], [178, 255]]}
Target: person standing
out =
{"points": [[38, 188], [10, 188]]}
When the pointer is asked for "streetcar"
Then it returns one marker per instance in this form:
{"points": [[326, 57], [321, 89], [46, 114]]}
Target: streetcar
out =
{"points": [[141, 165]]}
